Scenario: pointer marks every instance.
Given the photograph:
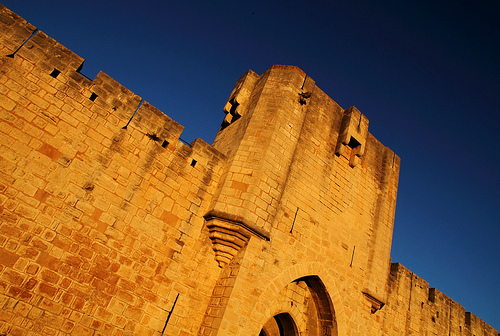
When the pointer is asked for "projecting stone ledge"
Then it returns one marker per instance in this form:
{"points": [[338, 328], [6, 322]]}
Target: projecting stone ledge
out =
{"points": [[229, 234], [377, 304]]}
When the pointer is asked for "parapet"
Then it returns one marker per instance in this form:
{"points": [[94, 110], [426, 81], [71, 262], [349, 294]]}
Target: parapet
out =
{"points": [[428, 308], [61, 67], [15, 31]]}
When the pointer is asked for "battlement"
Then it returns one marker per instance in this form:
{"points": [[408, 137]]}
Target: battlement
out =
{"points": [[111, 224], [15, 30], [427, 308], [59, 67]]}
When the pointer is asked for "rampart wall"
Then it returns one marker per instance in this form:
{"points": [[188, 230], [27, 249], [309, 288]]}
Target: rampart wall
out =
{"points": [[97, 218], [110, 225], [416, 309]]}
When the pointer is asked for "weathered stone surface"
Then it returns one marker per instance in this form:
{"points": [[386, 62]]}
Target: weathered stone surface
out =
{"points": [[109, 225]]}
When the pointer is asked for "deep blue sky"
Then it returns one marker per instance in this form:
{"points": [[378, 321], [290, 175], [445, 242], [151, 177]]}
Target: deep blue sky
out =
{"points": [[425, 73]]}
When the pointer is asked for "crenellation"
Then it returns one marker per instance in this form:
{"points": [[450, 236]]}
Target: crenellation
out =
{"points": [[114, 96], [111, 224], [477, 327], [44, 50], [427, 308], [15, 31]]}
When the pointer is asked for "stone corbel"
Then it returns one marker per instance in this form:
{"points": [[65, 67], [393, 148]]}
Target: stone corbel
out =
{"points": [[238, 100], [376, 303], [236, 105], [229, 235], [353, 133]]}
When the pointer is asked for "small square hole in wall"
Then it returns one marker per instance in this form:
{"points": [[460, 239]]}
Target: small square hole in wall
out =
{"points": [[353, 143], [93, 96], [55, 73], [164, 144], [193, 163]]}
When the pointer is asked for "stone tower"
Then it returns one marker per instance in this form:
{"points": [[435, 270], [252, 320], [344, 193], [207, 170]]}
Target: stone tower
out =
{"points": [[305, 183]]}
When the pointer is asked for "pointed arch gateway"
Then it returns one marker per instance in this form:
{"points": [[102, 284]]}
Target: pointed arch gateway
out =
{"points": [[280, 325], [302, 307]]}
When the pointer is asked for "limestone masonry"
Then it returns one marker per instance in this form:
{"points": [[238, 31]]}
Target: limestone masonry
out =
{"points": [[109, 225]]}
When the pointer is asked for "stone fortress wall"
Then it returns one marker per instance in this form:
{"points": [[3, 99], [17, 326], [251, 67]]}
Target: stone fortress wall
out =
{"points": [[110, 225]]}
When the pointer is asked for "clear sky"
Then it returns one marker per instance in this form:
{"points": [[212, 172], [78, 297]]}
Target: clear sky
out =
{"points": [[425, 73]]}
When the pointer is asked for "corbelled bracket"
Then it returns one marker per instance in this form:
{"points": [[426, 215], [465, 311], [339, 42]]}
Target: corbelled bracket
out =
{"points": [[238, 100], [376, 304], [353, 133], [229, 236], [303, 97], [234, 109]]}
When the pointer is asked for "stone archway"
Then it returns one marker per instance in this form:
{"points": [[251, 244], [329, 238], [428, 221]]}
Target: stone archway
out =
{"points": [[326, 321], [325, 293], [302, 307], [280, 325]]}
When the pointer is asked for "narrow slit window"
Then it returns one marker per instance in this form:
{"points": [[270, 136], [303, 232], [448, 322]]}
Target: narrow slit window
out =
{"points": [[55, 73], [193, 163], [93, 96], [164, 144]]}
